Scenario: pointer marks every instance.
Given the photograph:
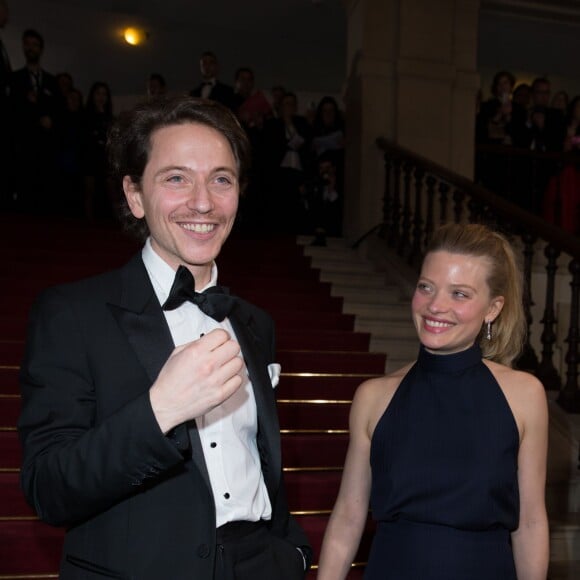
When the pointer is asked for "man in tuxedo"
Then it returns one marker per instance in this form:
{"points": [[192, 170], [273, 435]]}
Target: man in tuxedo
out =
{"points": [[33, 94], [5, 125], [148, 424], [210, 87]]}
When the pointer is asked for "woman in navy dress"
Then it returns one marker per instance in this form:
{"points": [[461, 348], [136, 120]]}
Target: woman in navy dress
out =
{"points": [[451, 450]]}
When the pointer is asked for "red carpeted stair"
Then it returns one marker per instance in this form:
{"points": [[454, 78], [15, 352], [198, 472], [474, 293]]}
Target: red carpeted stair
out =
{"points": [[322, 360]]}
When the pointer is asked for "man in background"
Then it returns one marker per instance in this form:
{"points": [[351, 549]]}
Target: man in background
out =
{"points": [[210, 87], [34, 101], [5, 126]]}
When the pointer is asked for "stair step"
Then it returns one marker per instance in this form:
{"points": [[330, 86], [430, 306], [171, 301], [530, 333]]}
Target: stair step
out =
{"points": [[10, 450], [369, 280], [319, 386], [241, 284], [314, 450], [11, 352], [315, 339], [569, 570], [30, 547], [379, 296], [339, 264], [331, 362], [310, 415], [402, 348], [13, 503], [304, 242], [564, 537], [9, 410], [563, 496], [312, 490], [9, 381], [292, 319], [387, 311], [272, 300], [394, 329]]}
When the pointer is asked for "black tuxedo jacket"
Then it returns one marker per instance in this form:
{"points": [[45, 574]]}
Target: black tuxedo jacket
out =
{"points": [[220, 92], [136, 504], [20, 85]]}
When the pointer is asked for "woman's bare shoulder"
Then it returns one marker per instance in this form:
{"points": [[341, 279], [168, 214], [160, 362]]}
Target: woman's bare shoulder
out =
{"points": [[525, 394], [513, 379], [380, 386], [374, 395]]}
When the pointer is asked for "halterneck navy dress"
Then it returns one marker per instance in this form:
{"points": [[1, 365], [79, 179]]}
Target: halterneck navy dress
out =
{"points": [[444, 475]]}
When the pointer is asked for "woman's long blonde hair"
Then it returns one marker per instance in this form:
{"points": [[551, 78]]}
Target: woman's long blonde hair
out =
{"points": [[504, 279]]}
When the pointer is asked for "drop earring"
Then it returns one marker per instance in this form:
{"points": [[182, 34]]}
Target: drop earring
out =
{"points": [[488, 330]]}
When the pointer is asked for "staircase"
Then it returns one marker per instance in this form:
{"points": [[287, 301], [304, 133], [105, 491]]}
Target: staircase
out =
{"points": [[322, 357]]}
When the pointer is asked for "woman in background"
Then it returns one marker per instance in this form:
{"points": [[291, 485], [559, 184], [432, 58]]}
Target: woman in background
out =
{"points": [[98, 118]]}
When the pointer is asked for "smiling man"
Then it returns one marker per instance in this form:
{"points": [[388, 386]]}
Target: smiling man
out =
{"points": [[149, 423]]}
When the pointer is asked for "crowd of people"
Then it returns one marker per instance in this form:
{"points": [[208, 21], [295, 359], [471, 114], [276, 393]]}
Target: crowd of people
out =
{"points": [[529, 117], [53, 140], [58, 139], [298, 159]]}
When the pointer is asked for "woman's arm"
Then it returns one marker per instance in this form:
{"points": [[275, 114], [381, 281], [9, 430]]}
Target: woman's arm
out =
{"points": [[531, 540], [350, 512]]}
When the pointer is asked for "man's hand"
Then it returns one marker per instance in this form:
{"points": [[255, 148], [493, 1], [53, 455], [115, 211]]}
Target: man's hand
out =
{"points": [[197, 377]]}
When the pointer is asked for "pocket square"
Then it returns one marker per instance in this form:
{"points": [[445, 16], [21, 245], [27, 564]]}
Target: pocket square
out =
{"points": [[274, 372]]}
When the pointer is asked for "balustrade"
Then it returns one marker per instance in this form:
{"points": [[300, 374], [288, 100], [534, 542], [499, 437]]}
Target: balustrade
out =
{"points": [[432, 194]]}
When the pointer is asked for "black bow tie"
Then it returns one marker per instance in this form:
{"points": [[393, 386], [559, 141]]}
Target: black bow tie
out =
{"points": [[215, 301]]}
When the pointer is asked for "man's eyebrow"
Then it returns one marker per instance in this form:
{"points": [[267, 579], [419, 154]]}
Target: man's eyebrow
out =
{"points": [[186, 169], [169, 168]]}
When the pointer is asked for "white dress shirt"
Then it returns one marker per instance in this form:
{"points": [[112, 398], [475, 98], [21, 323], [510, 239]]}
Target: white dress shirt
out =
{"points": [[207, 87], [228, 432]]}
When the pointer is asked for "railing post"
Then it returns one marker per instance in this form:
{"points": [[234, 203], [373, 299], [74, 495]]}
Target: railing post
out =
{"points": [[416, 249], [430, 218], [458, 197], [528, 360], [443, 198], [387, 225], [404, 238], [569, 396], [475, 211], [547, 372], [395, 233]]}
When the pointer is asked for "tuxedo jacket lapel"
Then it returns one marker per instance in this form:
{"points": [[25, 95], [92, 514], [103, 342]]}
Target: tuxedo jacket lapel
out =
{"points": [[256, 359], [140, 317]]}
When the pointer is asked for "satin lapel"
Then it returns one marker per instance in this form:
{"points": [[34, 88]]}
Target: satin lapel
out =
{"points": [[255, 357], [141, 318]]}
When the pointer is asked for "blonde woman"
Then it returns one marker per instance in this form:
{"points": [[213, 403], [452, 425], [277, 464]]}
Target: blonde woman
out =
{"points": [[451, 450]]}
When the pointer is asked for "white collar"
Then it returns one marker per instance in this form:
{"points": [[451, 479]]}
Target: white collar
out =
{"points": [[162, 274]]}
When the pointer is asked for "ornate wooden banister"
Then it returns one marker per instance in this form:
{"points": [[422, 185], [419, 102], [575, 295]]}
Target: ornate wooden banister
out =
{"points": [[420, 194]]}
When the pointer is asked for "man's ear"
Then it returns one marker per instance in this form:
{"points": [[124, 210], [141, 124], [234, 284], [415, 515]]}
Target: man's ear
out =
{"points": [[133, 196]]}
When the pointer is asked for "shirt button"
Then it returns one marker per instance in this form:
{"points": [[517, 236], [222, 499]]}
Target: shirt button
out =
{"points": [[227, 495], [213, 444]]}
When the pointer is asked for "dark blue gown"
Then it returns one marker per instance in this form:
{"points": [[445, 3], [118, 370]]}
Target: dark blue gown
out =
{"points": [[444, 475]]}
